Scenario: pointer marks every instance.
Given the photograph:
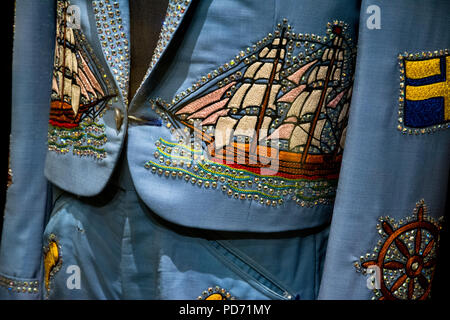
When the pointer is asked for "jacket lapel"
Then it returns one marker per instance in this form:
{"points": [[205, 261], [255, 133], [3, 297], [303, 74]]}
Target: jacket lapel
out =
{"points": [[113, 35]]}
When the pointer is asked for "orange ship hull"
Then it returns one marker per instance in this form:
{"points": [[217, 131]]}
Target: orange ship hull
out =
{"points": [[62, 115], [271, 161], [276, 162]]}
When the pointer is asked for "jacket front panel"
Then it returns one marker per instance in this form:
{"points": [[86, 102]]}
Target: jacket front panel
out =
{"points": [[239, 125], [229, 106]]}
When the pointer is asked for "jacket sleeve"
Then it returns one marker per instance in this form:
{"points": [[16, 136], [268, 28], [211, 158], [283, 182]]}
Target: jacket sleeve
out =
{"points": [[26, 202], [391, 197]]}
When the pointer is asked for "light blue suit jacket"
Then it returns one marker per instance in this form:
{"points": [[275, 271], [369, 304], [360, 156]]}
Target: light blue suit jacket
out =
{"points": [[233, 77]]}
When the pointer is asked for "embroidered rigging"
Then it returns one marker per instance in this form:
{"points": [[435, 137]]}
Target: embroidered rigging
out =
{"points": [[276, 113], [80, 93]]}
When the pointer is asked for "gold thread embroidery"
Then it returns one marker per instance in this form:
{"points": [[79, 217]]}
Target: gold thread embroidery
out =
{"points": [[52, 260]]}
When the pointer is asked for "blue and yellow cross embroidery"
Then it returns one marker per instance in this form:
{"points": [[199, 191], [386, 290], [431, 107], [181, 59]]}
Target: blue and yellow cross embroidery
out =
{"points": [[425, 92]]}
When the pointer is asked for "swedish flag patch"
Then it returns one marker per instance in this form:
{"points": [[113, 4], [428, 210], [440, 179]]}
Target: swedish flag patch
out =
{"points": [[424, 92]]}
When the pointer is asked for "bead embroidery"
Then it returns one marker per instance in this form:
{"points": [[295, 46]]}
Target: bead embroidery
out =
{"points": [[19, 285], [424, 102], [114, 40], [80, 94], [267, 105], [406, 256], [86, 142], [216, 293]]}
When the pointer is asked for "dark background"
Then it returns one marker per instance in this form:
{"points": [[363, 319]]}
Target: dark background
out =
{"points": [[7, 21]]}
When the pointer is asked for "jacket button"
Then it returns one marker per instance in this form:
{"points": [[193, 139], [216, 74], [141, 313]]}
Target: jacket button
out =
{"points": [[118, 116]]}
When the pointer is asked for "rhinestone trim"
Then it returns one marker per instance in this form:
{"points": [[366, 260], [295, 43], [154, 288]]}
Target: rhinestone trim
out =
{"points": [[174, 14], [176, 160], [19, 286], [216, 293], [114, 41]]}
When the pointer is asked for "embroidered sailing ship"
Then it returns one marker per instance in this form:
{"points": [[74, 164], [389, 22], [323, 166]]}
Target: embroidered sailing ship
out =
{"points": [[81, 92], [250, 123], [268, 125], [78, 90]]}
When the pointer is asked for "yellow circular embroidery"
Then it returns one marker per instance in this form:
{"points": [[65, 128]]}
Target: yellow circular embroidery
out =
{"points": [[214, 296]]}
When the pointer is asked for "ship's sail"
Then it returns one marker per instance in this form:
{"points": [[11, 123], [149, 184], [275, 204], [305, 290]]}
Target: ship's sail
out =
{"points": [[77, 88], [307, 117], [268, 125], [298, 116], [247, 114]]}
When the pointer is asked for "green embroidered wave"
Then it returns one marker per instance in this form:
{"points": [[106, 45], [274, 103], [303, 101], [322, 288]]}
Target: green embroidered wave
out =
{"points": [[93, 124], [179, 146], [66, 145], [81, 137], [318, 185], [182, 161], [254, 192], [100, 137], [150, 164], [89, 148], [84, 140], [59, 145]]}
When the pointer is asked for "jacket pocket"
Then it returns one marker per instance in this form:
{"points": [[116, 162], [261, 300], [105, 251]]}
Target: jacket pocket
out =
{"points": [[249, 271]]}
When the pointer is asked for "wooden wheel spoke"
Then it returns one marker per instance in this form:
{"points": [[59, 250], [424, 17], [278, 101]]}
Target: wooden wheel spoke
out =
{"points": [[420, 213], [367, 264], [387, 228], [418, 241], [398, 283], [423, 281], [410, 288], [394, 265], [430, 263], [402, 247], [428, 248]]}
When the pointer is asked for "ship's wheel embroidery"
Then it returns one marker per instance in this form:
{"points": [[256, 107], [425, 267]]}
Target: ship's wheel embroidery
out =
{"points": [[406, 258], [80, 93], [269, 124]]}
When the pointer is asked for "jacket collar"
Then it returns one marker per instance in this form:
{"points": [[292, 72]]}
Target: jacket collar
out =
{"points": [[111, 18]]}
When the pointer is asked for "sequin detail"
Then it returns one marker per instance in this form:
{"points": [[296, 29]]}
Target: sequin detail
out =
{"points": [[86, 141], [190, 165], [405, 257], [216, 293], [114, 40], [270, 124], [19, 286], [424, 102]]}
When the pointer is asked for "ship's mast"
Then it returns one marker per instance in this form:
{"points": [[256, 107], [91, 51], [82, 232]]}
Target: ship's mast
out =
{"points": [[321, 100], [262, 112], [63, 65]]}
